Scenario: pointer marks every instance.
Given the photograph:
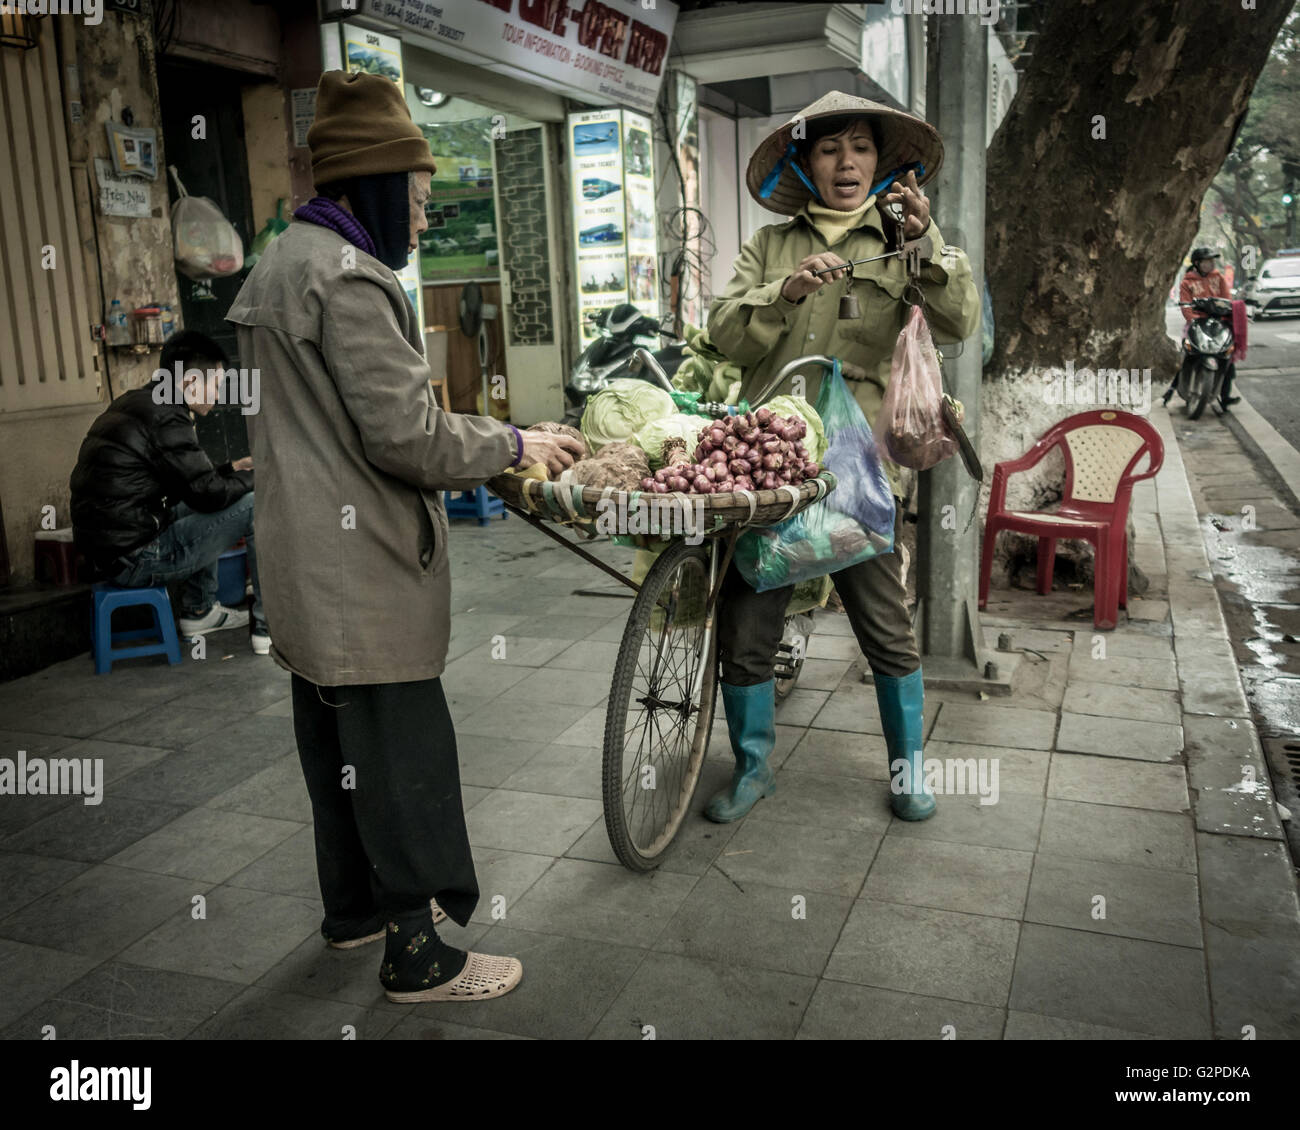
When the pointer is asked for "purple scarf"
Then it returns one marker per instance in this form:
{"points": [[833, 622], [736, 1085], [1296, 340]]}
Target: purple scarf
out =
{"points": [[328, 214]]}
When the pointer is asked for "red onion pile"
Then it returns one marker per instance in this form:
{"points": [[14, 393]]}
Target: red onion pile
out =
{"points": [[757, 451]]}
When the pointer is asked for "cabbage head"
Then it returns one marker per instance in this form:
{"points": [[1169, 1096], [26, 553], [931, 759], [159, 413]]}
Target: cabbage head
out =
{"points": [[815, 440], [622, 409], [650, 439]]}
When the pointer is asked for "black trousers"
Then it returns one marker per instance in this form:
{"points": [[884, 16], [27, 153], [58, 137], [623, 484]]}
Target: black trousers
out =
{"points": [[750, 624], [382, 773]]}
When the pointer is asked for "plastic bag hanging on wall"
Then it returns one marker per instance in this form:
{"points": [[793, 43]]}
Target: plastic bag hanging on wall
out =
{"points": [[204, 242]]}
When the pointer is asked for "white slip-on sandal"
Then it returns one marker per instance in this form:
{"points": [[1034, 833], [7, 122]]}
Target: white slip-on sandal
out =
{"points": [[439, 915], [485, 976]]}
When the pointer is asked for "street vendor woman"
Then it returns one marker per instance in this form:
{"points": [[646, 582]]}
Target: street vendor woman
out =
{"points": [[829, 168], [353, 454]]}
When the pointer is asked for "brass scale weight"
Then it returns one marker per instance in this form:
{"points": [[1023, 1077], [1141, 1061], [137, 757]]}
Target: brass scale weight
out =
{"points": [[911, 252]]}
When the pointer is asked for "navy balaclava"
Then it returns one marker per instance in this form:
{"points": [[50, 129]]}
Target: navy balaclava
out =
{"points": [[381, 202]]}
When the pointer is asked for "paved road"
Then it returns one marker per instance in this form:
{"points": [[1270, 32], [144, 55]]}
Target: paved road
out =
{"points": [[1270, 374]]}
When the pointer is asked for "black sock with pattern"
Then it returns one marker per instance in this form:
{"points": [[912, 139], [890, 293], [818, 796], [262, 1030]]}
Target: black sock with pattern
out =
{"points": [[415, 957]]}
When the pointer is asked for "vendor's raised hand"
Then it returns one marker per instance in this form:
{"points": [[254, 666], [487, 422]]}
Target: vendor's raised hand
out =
{"points": [[557, 451], [915, 205], [805, 281]]}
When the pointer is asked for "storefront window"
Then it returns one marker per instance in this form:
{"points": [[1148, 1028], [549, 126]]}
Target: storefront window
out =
{"points": [[463, 240]]}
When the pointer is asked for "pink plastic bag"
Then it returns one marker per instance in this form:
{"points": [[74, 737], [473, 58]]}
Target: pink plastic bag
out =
{"points": [[909, 427]]}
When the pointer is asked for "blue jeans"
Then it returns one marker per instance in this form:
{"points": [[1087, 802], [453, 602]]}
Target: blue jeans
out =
{"points": [[188, 550]]}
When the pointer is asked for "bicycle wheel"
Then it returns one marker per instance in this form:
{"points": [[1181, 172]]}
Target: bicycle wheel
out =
{"points": [[660, 708]]}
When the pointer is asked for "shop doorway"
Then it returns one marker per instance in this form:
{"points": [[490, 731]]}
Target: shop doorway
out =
{"points": [[216, 166]]}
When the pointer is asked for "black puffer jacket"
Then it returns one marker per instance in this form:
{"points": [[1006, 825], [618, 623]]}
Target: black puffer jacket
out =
{"points": [[137, 461]]}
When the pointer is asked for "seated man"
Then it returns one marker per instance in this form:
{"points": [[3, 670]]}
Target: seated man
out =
{"points": [[148, 506]]}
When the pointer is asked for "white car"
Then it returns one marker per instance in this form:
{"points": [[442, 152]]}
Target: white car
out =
{"points": [[1276, 289]]}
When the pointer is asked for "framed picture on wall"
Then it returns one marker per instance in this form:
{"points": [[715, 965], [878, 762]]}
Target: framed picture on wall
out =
{"points": [[134, 150]]}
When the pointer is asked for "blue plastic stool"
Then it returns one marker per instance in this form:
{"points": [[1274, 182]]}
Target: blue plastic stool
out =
{"points": [[474, 504], [105, 600], [232, 573]]}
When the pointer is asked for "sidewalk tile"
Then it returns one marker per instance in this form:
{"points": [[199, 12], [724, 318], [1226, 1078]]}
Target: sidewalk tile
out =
{"points": [[686, 998], [92, 833], [1112, 700], [504, 877], [32, 976], [205, 845], [1117, 982], [601, 902], [567, 627], [530, 822], [1032, 1026], [538, 722], [585, 729], [984, 724], [1211, 686], [1119, 835], [823, 674], [853, 708], [1255, 985], [101, 911], [824, 645], [840, 753], [486, 762], [801, 706], [947, 876], [289, 868], [20, 812], [857, 1012], [756, 926], [1248, 887], [1112, 780], [821, 801], [568, 985], [194, 776], [936, 953], [263, 1014], [829, 860], [416, 1027], [128, 1002], [1119, 737], [244, 934], [261, 736], [1129, 671], [1230, 780], [119, 758], [563, 770], [28, 877], [165, 728], [90, 716], [555, 686], [278, 791], [482, 677], [1141, 902], [595, 656], [1022, 771], [1012, 822]]}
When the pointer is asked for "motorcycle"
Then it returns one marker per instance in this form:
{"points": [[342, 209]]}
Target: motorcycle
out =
{"points": [[1207, 351], [621, 330]]}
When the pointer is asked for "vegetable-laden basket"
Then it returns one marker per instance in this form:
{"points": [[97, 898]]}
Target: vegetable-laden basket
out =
{"points": [[571, 503]]}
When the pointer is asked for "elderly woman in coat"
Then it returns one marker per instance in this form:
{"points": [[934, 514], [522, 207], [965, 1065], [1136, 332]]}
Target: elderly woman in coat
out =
{"points": [[352, 456], [831, 168]]}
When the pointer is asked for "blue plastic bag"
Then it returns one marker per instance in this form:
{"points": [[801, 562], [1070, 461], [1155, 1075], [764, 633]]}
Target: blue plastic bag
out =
{"points": [[853, 523]]}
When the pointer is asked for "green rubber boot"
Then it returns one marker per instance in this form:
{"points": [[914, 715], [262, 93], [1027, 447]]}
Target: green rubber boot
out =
{"points": [[751, 722], [901, 703]]}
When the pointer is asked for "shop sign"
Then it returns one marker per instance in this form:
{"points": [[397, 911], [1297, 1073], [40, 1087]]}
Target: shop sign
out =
{"points": [[605, 51], [119, 196], [611, 166]]}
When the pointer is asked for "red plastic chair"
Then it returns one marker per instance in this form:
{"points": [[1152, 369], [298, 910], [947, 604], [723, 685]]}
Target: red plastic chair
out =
{"points": [[1102, 450]]}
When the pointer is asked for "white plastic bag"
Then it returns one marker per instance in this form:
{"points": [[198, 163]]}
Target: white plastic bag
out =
{"points": [[204, 242]]}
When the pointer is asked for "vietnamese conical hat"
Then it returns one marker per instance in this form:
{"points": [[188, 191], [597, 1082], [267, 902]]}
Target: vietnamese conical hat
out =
{"points": [[904, 139]]}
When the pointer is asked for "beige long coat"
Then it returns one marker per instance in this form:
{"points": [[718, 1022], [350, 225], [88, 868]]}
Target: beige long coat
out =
{"points": [[350, 453]]}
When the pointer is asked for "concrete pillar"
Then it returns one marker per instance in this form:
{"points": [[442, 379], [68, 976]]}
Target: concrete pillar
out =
{"points": [[947, 571]]}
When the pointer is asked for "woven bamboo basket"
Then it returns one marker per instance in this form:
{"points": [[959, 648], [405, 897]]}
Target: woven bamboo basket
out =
{"points": [[570, 502]]}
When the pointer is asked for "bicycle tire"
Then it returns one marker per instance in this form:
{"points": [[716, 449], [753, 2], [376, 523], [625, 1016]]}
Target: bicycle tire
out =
{"points": [[638, 846]]}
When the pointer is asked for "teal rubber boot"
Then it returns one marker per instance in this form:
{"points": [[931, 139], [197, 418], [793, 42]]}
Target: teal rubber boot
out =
{"points": [[751, 722], [901, 703]]}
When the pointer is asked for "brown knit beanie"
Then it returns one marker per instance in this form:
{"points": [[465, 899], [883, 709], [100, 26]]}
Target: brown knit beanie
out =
{"points": [[362, 126]]}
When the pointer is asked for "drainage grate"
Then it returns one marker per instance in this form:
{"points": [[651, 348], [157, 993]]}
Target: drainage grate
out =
{"points": [[1284, 751]]}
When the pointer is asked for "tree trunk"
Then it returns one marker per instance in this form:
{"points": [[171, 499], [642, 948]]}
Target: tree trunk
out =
{"points": [[1095, 180]]}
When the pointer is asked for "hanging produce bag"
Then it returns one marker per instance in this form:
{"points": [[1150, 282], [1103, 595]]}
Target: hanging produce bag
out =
{"points": [[205, 243], [852, 524], [910, 428]]}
